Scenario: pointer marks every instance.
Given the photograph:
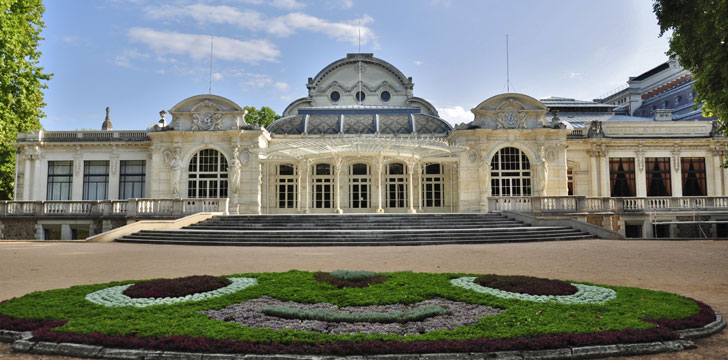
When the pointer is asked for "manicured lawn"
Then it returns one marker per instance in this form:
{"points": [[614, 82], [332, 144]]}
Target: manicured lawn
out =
{"points": [[509, 321]]}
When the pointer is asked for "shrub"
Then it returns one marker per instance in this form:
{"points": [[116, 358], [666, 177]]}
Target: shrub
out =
{"points": [[526, 285], [401, 317], [342, 283], [352, 275], [183, 286]]}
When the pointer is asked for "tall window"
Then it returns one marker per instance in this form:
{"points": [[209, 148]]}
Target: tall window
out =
{"points": [[95, 180], [693, 176], [286, 183], [432, 185], [132, 176], [510, 173], [396, 185], [323, 186], [658, 176], [621, 177], [570, 181], [359, 186], [60, 177], [207, 175]]}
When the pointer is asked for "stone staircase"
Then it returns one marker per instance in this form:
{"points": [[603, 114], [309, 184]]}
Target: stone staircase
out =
{"points": [[356, 230]]}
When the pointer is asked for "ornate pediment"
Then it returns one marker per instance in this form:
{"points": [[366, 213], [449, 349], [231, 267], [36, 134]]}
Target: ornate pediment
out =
{"points": [[510, 111], [207, 113]]}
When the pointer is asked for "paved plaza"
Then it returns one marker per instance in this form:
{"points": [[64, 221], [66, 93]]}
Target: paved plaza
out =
{"points": [[698, 269]]}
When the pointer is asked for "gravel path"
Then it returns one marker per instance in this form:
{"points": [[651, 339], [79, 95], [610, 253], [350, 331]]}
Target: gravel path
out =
{"points": [[698, 269]]}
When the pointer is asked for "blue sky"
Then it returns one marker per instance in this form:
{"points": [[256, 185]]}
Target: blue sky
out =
{"points": [[139, 57]]}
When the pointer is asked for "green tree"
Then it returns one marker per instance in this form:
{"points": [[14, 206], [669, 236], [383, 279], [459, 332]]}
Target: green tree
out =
{"points": [[21, 80], [700, 40], [262, 117]]}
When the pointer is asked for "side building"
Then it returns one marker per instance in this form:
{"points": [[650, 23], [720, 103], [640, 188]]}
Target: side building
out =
{"points": [[362, 142]]}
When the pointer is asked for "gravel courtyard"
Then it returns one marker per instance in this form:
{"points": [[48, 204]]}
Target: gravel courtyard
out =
{"points": [[698, 269]]}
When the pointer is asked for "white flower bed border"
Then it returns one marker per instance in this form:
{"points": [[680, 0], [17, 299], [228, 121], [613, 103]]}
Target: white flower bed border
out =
{"points": [[586, 294], [114, 296]]}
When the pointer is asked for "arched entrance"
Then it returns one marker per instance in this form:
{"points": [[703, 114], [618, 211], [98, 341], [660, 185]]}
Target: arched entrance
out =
{"points": [[207, 175], [510, 173]]}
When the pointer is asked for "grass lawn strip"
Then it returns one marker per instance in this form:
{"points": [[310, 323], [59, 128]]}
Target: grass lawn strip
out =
{"points": [[585, 323], [114, 296], [586, 294]]}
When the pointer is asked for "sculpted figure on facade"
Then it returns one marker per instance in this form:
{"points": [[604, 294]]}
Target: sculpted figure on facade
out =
{"points": [[541, 174], [511, 117], [206, 121], [235, 170], [175, 164], [484, 172]]}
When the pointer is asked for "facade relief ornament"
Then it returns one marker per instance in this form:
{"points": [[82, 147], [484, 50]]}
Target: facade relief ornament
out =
{"points": [[206, 116], [172, 159], [510, 116], [676, 157], [484, 171], [542, 173], [641, 158], [595, 130], [235, 171]]}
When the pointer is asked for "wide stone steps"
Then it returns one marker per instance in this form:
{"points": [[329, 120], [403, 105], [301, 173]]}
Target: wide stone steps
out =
{"points": [[356, 230]]}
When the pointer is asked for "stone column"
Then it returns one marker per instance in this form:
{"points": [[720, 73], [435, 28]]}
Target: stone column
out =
{"points": [[411, 167], [113, 187], [26, 177], [640, 179], [604, 173], [717, 172], [300, 166], [675, 173], [307, 164], [338, 163], [77, 184], [594, 172], [380, 169]]}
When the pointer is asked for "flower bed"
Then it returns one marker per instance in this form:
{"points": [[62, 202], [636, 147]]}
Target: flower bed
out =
{"points": [[343, 280], [526, 285], [163, 288], [232, 319]]}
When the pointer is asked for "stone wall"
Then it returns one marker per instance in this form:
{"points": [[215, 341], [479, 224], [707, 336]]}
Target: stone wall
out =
{"points": [[18, 229]]}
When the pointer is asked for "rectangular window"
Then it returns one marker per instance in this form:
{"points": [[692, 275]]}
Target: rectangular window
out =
{"points": [[95, 180], [287, 187], [570, 181], [621, 177], [693, 176], [132, 176], [432, 185], [60, 178], [658, 176]]}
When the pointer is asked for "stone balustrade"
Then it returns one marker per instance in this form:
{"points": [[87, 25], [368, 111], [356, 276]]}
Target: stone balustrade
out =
{"points": [[582, 204], [130, 208]]}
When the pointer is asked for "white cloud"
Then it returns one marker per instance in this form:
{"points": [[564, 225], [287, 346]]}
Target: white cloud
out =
{"points": [[285, 25], [455, 114], [418, 63], [575, 76], [128, 57], [286, 97], [347, 4], [217, 76], [198, 46], [287, 4], [282, 86], [258, 80]]}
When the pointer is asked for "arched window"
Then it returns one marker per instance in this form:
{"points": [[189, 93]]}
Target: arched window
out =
{"points": [[323, 186], [510, 173], [396, 185], [286, 184], [359, 187], [207, 175], [432, 185]]}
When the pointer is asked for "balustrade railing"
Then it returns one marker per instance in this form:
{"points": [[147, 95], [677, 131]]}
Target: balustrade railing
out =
{"points": [[136, 208], [581, 204]]}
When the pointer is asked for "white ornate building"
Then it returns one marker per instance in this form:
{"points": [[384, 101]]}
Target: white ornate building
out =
{"points": [[361, 142]]}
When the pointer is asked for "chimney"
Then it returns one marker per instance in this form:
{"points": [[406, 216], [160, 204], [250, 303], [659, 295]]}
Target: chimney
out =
{"points": [[663, 115], [106, 126]]}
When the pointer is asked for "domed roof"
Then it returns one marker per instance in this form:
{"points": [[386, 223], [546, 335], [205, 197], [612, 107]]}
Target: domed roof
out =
{"points": [[360, 120]]}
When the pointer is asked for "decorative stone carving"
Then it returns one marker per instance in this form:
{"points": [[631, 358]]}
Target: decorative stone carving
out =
{"points": [[595, 130], [541, 174], [235, 171], [511, 116], [676, 157], [716, 131], [206, 121], [484, 172], [175, 164], [640, 158]]}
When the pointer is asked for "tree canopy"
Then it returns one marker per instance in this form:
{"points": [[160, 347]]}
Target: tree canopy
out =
{"points": [[262, 117], [21, 80], [700, 40]]}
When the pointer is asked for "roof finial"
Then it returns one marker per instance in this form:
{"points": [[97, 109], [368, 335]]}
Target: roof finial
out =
{"points": [[107, 121]]}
